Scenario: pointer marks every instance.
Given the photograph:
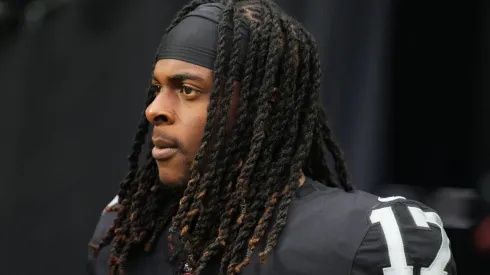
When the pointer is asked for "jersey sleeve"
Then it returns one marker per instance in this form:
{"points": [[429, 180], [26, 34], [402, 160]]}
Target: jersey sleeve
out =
{"points": [[404, 238], [98, 266]]}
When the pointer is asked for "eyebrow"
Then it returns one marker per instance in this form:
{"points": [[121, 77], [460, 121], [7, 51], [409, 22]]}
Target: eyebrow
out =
{"points": [[182, 77]]}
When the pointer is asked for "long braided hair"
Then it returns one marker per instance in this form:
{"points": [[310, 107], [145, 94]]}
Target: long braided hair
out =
{"points": [[238, 199]]}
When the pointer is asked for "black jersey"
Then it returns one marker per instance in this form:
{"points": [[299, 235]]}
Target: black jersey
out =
{"points": [[329, 232]]}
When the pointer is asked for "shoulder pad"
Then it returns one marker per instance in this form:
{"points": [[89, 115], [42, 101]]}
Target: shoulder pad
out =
{"points": [[98, 265], [405, 237]]}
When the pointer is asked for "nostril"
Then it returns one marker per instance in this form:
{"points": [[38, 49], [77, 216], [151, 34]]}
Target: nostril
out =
{"points": [[162, 118]]}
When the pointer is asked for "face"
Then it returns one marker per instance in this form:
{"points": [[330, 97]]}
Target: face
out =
{"points": [[178, 115]]}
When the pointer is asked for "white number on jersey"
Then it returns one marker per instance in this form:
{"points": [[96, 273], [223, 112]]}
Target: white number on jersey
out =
{"points": [[396, 252]]}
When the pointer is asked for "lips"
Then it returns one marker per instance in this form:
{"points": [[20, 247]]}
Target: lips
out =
{"points": [[163, 153], [164, 149]]}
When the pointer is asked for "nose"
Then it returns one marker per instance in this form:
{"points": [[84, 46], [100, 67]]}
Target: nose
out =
{"points": [[159, 112]]}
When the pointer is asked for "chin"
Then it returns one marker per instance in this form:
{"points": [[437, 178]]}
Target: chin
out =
{"points": [[171, 179], [171, 176]]}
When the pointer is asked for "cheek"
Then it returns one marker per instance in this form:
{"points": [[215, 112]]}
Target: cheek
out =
{"points": [[194, 127]]}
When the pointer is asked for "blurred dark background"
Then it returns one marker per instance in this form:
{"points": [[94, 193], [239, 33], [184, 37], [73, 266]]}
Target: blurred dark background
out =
{"points": [[406, 85]]}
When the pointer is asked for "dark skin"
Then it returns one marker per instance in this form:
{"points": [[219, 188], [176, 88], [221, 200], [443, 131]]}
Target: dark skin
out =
{"points": [[179, 114]]}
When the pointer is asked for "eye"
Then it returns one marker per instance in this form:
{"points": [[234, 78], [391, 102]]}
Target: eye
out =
{"points": [[188, 91], [155, 88]]}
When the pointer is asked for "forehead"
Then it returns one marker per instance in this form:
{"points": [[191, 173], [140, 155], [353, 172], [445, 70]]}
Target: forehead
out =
{"points": [[169, 67]]}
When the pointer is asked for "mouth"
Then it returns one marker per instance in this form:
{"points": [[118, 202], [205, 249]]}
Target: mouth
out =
{"points": [[164, 149]]}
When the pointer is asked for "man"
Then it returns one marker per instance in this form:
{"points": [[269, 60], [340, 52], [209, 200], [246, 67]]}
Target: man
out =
{"points": [[237, 180]]}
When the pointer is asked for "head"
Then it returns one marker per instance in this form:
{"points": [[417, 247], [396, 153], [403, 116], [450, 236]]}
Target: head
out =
{"points": [[236, 137]]}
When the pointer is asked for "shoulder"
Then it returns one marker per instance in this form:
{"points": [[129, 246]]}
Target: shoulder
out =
{"points": [[324, 229], [106, 220], [363, 234], [333, 209], [98, 265], [403, 236]]}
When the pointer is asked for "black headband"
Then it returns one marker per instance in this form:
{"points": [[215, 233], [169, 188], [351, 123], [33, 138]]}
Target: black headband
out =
{"points": [[195, 38]]}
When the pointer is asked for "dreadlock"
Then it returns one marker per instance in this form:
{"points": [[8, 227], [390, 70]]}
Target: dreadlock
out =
{"points": [[239, 196]]}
